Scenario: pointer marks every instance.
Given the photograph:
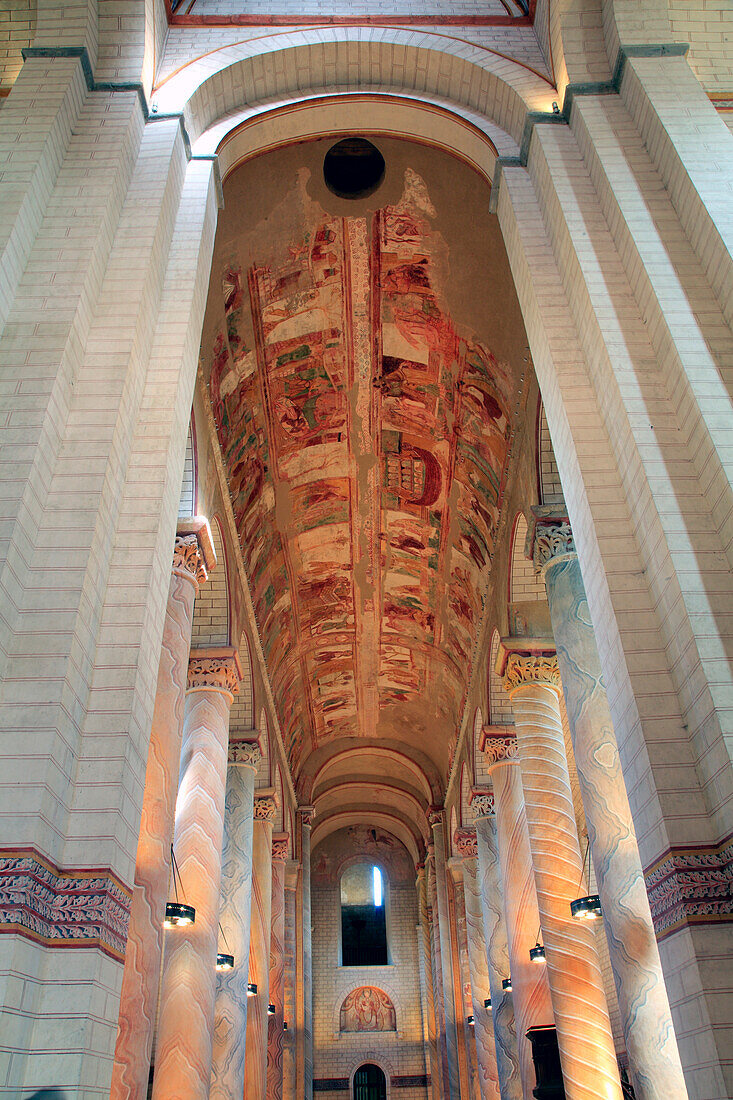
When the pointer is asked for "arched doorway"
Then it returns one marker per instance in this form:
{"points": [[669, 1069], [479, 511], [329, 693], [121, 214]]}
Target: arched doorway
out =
{"points": [[369, 1083]]}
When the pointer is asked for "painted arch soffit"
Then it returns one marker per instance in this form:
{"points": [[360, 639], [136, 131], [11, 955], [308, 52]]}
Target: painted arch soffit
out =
{"points": [[365, 435]]}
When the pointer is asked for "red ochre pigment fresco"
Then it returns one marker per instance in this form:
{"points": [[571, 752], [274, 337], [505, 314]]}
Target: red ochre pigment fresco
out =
{"points": [[366, 444]]}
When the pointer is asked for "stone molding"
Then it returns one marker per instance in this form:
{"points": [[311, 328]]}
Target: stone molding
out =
{"points": [[688, 886], [499, 745], [216, 669], [482, 804], [264, 807], [245, 754], [522, 669], [280, 846], [435, 816], [87, 907], [466, 842]]}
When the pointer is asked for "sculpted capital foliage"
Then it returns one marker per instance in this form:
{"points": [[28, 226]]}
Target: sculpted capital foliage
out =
{"points": [[188, 558], [552, 540], [531, 668]]}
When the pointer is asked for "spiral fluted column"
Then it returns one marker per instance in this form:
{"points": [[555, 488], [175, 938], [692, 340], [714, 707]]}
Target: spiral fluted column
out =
{"points": [[193, 556], [290, 983], [654, 1059], [462, 980], [186, 1016], [280, 842], [437, 967], [435, 819], [427, 967], [304, 964], [497, 949], [255, 1062], [230, 1008], [585, 1040], [531, 992], [488, 1073]]}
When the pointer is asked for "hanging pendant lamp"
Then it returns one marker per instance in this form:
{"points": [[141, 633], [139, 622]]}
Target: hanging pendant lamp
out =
{"points": [[177, 913], [588, 907]]}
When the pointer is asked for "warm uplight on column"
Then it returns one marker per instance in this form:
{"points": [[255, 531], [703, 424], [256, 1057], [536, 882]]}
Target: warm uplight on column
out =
{"points": [[537, 953], [251, 989], [506, 985], [224, 961]]}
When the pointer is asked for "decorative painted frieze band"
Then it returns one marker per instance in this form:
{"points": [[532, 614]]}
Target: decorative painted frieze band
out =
{"points": [[264, 807], [691, 886], [75, 908], [531, 668], [410, 1081], [466, 842], [280, 844], [482, 804], [499, 745], [216, 669], [435, 816], [330, 1084], [246, 754]]}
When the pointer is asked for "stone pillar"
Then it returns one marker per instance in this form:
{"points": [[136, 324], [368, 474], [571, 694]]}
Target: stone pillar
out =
{"points": [[488, 1074], [289, 995], [435, 819], [488, 885], [462, 980], [193, 555], [186, 1015], [304, 1037], [280, 843], [437, 969], [531, 992], [425, 952], [647, 1020], [230, 1010], [255, 1064], [585, 1040]]}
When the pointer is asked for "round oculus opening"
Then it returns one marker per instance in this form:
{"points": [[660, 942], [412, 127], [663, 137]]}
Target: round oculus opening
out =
{"points": [[353, 168]]}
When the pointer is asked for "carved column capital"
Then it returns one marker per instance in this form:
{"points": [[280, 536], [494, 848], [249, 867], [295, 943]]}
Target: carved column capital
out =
{"points": [[264, 807], [435, 816], [245, 754], [307, 813], [466, 842], [193, 550], [549, 536], [531, 668], [482, 803], [499, 746], [214, 670], [280, 844]]}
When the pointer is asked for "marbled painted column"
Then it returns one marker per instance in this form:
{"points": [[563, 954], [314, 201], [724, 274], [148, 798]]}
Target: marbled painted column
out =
{"points": [[304, 1037], [483, 1027], [230, 1009], [289, 995], [462, 979], [435, 819], [654, 1059], [437, 969], [255, 1064], [427, 967], [532, 681], [193, 555], [188, 985], [488, 883], [280, 844], [531, 991]]}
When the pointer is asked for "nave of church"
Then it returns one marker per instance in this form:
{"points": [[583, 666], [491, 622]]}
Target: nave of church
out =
{"points": [[365, 550]]}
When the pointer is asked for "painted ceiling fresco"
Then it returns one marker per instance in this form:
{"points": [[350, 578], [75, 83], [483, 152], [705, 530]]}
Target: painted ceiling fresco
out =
{"points": [[366, 446]]}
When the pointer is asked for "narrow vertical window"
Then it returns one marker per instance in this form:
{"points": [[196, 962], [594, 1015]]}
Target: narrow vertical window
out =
{"points": [[363, 916]]}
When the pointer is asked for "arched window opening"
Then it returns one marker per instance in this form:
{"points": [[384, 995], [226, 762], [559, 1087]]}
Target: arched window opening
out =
{"points": [[369, 1083], [363, 916]]}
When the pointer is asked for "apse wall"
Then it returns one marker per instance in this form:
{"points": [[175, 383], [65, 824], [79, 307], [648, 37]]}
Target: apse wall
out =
{"points": [[338, 1052]]}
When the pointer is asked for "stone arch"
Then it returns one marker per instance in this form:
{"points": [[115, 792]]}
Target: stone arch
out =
{"points": [[524, 584], [189, 489], [377, 1059], [304, 63], [211, 624]]}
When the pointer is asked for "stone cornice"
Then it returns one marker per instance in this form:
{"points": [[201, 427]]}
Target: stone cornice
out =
{"points": [[521, 661], [214, 669]]}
